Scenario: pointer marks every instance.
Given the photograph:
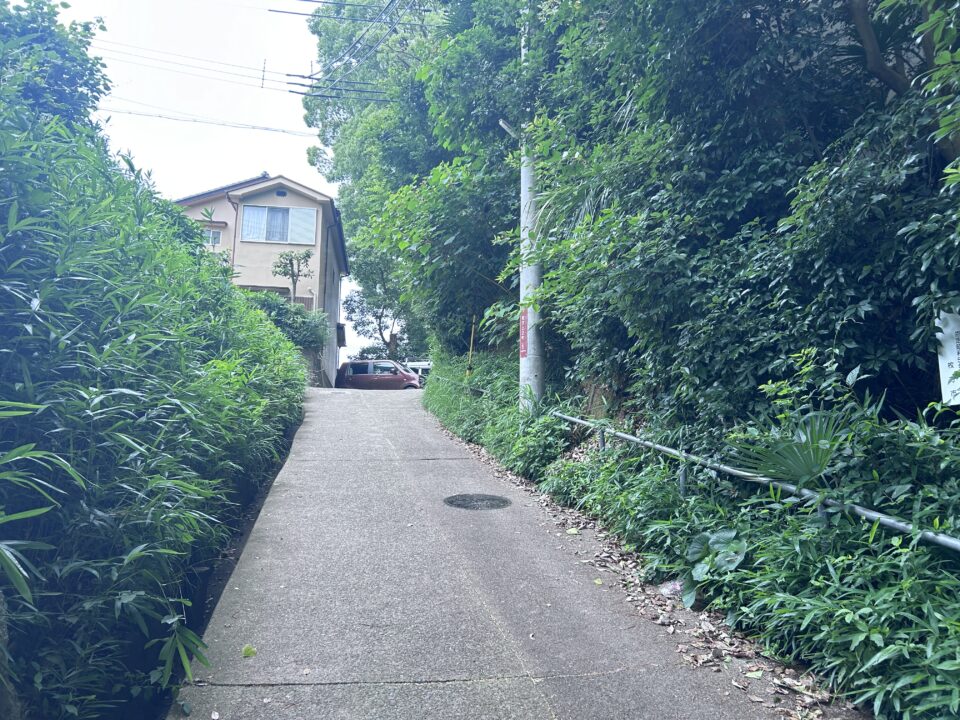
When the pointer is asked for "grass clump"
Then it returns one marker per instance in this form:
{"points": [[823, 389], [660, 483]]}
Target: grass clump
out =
{"points": [[484, 408]]}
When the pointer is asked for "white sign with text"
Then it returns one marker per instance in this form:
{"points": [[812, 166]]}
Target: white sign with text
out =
{"points": [[949, 354]]}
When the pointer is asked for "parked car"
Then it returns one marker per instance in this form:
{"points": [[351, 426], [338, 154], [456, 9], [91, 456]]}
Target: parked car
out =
{"points": [[421, 368], [376, 375]]}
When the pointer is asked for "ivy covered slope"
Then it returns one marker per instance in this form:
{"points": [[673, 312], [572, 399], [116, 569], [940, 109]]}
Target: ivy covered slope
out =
{"points": [[749, 221], [141, 398]]}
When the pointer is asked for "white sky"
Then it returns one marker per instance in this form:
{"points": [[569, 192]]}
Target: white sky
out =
{"points": [[227, 44]]}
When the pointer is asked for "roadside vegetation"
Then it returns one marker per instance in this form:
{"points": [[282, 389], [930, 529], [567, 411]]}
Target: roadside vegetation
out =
{"points": [[748, 223], [142, 398], [873, 613], [307, 329]]}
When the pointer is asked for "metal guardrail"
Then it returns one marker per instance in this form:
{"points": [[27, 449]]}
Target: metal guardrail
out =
{"points": [[887, 521]]}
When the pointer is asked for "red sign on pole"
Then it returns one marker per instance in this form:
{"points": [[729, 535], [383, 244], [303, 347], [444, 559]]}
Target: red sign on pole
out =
{"points": [[523, 333]]}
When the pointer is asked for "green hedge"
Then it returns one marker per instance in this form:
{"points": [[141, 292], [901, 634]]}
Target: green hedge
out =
{"points": [[307, 329], [141, 399]]}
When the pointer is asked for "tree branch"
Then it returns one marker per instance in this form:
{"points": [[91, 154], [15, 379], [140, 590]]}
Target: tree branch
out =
{"points": [[860, 14]]}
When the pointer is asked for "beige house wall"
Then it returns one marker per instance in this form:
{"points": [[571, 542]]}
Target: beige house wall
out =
{"points": [[222, 213], [252, 261]]}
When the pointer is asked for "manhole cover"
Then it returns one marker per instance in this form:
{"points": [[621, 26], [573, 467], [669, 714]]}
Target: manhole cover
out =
{"points": [[477, 502]]}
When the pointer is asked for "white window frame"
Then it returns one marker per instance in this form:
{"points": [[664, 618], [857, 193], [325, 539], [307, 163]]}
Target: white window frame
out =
{"points": [[209, 233], [267, 208]]}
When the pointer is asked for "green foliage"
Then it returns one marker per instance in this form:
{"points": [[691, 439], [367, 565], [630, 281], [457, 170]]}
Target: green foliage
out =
{"points": [[46, 64], [939, 36], [142, 399], [798, 451], [379, 312], [485, 408], [294, 266], [872, 614], [525, 442], [442, 233], [307, 329], [467, 404], [748, 226]]}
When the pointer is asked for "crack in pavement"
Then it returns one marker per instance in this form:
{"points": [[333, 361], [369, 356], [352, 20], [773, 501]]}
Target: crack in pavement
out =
{"points": [[438, 681], [377, 461]]}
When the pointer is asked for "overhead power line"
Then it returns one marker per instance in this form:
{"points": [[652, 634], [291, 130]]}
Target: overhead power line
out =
{"points": [[307, 77], [343, 97], [104, 41], [356, 41], [197, 75], [219, 123], [359, 61], [259, 77], [344, 4], [347, 18], [114, 55], [313, 86]]}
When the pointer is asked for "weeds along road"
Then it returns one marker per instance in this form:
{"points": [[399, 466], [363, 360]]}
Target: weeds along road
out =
{"points": [[364, 595]]}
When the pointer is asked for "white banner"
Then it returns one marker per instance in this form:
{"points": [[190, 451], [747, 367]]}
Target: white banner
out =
{"points": [[949, 354]]}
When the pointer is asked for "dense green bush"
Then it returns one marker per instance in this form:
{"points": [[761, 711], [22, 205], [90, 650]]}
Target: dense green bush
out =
{"points": [[307, 329], [485, 408], [141, 399], [873, 613]]}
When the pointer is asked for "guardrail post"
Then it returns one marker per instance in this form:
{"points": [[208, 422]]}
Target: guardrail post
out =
{"points": [[602, 439], [683, 480]]}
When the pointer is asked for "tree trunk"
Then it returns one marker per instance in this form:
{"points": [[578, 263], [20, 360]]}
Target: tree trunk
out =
{"points": [[860, 14], [894, 78], [9, 704]]}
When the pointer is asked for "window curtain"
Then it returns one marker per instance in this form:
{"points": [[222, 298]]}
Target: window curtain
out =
{"points": [[254, 223], [278, 224]]}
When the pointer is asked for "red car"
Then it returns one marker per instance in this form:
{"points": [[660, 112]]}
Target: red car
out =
{"points": [[376, 375]]}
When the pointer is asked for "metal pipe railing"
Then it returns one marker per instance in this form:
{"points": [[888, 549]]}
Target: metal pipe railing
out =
{"points": [[886, 521]]}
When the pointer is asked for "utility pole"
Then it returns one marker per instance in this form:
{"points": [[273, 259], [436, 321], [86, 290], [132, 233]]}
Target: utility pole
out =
{"points": [[531, 274]]}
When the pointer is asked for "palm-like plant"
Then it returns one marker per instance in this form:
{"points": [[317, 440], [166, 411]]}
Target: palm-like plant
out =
{"points": [[799, 451]]}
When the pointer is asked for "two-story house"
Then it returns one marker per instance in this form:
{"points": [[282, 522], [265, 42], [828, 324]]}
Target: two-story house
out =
{"points": [[254, 220]]}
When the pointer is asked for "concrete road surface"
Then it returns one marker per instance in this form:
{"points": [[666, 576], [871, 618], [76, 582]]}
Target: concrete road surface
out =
{"points": [[365, 596]]}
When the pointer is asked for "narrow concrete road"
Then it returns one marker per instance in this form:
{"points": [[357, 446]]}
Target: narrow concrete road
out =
{"points": [[366, 596]]}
